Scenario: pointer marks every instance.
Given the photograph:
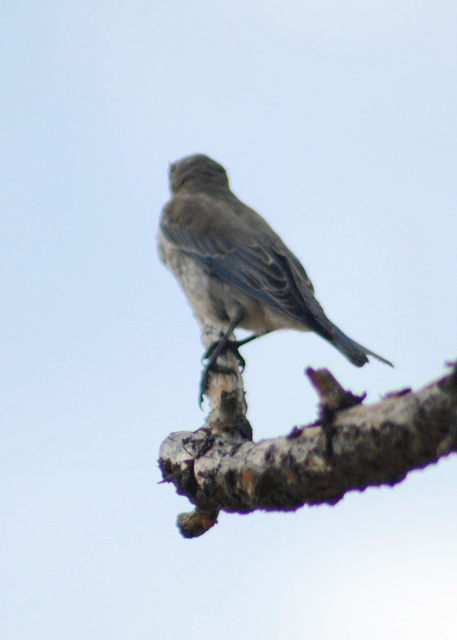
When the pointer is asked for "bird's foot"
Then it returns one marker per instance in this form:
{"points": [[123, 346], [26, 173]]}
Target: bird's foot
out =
{"points": [[230, 345], [216, 349]]}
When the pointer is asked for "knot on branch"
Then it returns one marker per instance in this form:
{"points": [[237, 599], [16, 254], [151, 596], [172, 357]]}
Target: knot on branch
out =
{"points": [[229, 416]]}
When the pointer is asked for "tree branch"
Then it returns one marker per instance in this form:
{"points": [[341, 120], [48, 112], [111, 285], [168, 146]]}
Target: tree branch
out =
{"points": [[350, 447]]}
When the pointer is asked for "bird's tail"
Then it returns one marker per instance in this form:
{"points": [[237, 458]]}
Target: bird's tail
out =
{"points": [[353, 351]]}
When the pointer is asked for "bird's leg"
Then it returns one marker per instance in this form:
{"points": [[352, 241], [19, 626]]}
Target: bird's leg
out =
{"points": [[229, 345], [218, 348]]}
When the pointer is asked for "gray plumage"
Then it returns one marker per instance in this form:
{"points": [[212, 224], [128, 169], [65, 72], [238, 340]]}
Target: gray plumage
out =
{"points": [[232, 265]]}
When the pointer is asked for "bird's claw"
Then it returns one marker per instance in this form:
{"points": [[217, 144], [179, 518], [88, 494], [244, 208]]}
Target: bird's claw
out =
{"points": [[233, 346], [216, 349]]}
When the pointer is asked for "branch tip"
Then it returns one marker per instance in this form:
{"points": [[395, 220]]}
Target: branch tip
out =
{"points": [[197, 522], [333, 396]]}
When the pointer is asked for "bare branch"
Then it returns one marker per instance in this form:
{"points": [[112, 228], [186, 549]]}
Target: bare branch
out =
{"points": [[350, 447]]}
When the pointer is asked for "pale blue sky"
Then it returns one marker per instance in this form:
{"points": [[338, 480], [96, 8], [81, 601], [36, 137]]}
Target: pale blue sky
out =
{"points": [[338, 122]]}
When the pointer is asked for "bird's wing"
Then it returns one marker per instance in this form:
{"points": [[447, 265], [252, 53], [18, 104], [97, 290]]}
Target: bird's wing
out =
{"points": [[259, 263]]}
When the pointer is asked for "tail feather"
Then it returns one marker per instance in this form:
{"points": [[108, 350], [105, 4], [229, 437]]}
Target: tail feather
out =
{"points": [[354, 351]]}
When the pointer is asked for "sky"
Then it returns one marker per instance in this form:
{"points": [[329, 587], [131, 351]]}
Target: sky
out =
{"points": [[338, 123]]}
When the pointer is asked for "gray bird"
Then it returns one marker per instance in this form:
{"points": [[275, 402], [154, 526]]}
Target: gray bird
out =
{"points": [[234, 269]]}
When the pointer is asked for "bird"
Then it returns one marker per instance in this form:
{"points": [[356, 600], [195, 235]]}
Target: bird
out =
{"points": [[234, 269]]}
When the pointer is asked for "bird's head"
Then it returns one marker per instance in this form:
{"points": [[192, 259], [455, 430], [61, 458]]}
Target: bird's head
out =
{"points": [[197, 172]]}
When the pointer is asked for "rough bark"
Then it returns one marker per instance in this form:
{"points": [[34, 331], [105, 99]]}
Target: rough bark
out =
{"points": [[350, 447]]}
